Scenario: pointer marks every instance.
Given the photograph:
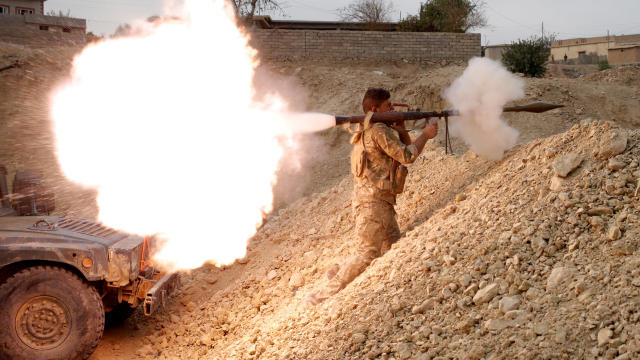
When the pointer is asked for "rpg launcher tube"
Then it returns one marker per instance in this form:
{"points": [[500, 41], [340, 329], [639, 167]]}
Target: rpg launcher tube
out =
{"points": [[392, 117]]}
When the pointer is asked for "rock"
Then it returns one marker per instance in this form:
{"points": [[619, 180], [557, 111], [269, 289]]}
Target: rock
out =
{"points": [[560, 336], [497, 324], [465, 280], [538, 244], [556, 183], [174, 318], [272, 275], [460, 197], [541, 328], [558, 276], [486, 294], [615, 164], [600, 210], [604, 335], [612, 143], [509, 303], [358, 338], [614, 232], [449, 260], [426, 305], [296, 281], [564, 165], [404, 351]]}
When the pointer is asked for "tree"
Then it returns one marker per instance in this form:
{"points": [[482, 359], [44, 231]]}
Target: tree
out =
{"points": [[249, 8], [59, 13], [528, 56], [367, 11], [457, 16]]}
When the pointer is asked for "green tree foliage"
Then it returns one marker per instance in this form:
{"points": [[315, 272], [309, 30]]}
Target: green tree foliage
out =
{"points": [[528, 56], [603, 65], [457, 16]]}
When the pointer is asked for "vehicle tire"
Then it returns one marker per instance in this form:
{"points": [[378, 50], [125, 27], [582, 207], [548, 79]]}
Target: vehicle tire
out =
{"points": [[47, 312], [118, 315]]}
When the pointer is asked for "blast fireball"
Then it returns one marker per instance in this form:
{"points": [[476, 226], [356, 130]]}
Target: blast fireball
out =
{"points": [[151, 122]]}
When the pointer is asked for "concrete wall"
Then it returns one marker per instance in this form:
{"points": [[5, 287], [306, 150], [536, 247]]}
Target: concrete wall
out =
{"points": [[364, 45], [628, 55], [36, 5], [624, 39], [495, 52], [42, 30]]}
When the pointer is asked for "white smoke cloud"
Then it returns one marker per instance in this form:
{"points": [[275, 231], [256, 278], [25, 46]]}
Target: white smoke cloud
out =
{"points": [[480, 94], [169, 126]]}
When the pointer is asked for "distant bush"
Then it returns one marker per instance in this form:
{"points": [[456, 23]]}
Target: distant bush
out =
{"points": [[603, 65], [528, 56]]}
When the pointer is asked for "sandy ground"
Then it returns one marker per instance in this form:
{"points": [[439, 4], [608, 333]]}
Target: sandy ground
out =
{"points": [[501, 259]]}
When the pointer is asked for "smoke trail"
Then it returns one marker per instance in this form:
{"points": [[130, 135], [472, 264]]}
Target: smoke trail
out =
{"points": [[480, 94]]}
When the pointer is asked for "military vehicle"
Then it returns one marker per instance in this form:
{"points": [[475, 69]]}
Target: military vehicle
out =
{"points": [[59, 275]]}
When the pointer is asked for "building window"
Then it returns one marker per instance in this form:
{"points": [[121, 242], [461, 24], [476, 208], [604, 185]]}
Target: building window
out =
{"points": [[66, 29], [4, 10], [44, 27], [24, 11]]}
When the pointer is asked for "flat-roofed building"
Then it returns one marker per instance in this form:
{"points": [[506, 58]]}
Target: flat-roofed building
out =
{"points": [[625, 54], [23, 22]]}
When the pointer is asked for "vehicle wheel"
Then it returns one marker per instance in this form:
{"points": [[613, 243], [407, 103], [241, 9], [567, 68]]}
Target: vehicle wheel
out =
{"points": [[48, 312], [118, 315]]}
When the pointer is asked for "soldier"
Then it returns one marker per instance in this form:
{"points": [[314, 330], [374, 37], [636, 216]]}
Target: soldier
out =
{"points": [[376, 163]]}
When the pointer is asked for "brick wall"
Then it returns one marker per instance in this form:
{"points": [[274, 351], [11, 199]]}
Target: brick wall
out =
{"points": [[365, 45], [42, 30]]}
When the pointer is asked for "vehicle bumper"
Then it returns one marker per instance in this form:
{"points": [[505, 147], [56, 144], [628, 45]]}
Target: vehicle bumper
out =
{"points": [[158, 294]]}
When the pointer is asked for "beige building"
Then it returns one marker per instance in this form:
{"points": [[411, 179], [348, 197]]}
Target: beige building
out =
{"points": [[589, 50], [626, 54], [23, 22], [22, 7]]}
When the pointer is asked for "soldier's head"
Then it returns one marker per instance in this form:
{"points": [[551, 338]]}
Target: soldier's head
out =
{"points": [[376, 100]]}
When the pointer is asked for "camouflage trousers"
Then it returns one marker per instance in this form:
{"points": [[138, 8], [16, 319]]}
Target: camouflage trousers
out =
{"points": [[377, 229]]}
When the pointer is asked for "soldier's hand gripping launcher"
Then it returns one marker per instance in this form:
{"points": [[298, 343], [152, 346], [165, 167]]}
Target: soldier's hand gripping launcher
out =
{"points": [[393, 117]]}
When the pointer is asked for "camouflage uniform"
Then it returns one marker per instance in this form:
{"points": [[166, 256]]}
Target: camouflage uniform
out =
{"points": [[374, 198]]}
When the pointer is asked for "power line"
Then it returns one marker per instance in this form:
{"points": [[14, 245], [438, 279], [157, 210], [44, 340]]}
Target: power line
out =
{"points": [[513, 21]]}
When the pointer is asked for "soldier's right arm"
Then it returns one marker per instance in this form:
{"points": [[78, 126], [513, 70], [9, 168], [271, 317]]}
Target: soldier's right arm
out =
{"points": [[389, 142]]}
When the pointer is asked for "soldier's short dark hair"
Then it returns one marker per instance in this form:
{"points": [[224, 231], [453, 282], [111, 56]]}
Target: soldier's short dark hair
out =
{"points": [[374, 97]]}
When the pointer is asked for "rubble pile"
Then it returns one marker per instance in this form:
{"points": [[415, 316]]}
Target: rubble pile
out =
{"points": [[623, 74], [531, 257]]}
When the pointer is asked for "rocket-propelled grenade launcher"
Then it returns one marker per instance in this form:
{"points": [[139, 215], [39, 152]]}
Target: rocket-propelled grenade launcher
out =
{"points": [[392, 117]]}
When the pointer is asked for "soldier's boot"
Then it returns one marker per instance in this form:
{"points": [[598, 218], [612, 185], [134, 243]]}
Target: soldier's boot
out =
{"points": [[344, 276]]}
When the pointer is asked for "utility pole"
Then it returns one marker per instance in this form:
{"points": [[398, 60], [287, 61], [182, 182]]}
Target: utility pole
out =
{"points": [[543, 30]]}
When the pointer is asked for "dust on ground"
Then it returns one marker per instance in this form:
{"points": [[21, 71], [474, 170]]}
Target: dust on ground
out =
{"points": [[500, 259]]}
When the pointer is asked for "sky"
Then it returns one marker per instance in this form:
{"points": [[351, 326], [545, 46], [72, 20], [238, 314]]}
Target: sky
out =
{"points": [[508, 20]]}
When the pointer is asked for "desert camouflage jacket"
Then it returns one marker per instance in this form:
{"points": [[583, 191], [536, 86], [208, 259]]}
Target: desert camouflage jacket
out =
{"points": [[384, 151]]}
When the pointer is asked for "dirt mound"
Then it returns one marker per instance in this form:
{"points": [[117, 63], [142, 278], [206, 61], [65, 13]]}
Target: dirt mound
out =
{"points": [[623, 74], [501, 260]]}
